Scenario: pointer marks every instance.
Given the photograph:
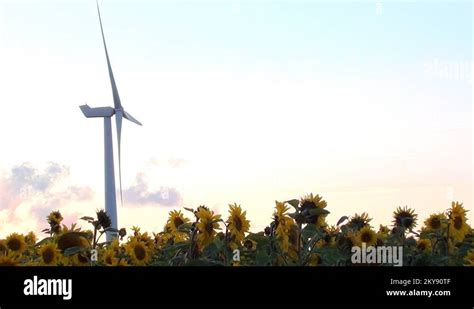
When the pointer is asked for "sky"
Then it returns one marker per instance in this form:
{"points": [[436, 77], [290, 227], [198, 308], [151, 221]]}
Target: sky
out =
{"points": [[367, 103]]}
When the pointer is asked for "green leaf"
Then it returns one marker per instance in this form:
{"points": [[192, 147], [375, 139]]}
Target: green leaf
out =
{"points": [[342, 219], [465, 247], [294, 203], [211, 250], [257, 237], [293, 215], [201, 263], [83, 234], [398, 231], [111, 229], [309, 231], [410, 242], [314, 238], [220, 243], [262, 258], [86, 218], [344, 229], [330, 256], [73, 250], [177, 246], [185, 227], [42, 241], [189, 209], [318, 211]]}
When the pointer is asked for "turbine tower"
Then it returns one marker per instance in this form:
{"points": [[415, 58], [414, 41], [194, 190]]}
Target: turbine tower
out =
{"points": [[107, 113]]}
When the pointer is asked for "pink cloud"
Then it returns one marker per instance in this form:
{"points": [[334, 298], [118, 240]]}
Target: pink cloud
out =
{"points": [[37, 192]]}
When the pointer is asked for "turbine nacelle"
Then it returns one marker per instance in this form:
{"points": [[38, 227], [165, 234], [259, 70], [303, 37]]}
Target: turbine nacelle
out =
{"points": [[106, 111], [96, 111]]}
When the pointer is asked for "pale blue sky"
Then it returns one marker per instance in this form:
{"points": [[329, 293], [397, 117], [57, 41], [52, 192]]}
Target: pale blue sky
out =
{"points": [[262, 31], [263, 100]]}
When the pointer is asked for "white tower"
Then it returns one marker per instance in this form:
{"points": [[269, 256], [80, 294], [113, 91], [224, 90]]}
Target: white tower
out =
{"points": [[107, 113]]}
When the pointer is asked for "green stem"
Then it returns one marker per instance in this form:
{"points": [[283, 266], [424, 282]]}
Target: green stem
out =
{"points": [[299, 244], [100, 236], [193, 240]]}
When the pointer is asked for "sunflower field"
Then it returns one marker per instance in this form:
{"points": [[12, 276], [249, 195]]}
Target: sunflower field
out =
{"points": [[297, 235]]}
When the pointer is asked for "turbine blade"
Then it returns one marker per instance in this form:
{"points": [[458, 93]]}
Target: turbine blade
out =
{"points": [[115, 93], [130, 117], [118, 119]]}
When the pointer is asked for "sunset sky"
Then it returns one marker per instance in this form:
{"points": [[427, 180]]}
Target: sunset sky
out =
{"points": [[367, 103]]}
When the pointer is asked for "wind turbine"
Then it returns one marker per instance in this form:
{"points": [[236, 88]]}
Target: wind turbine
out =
{"points": [[107, 113]]}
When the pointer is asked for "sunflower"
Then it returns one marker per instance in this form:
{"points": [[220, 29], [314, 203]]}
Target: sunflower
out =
{"points": [[469, 258], [365, 235], [103, 219], [146, 239], [283, 240], [282, 223], [55, 217], [54, 220], [383, 231], [207, 226], [235, 263], [114, 245], [49, 254], [72, 239], [30, 239], [359, 221], [436, 222], [139, 252], [250, 244], [163, 239], [108, 257], [16, 243], [333, 230], [424, 245], [196, 213], [345, 243], [135, 230], [311, 204], [122, 233], [120, 262], [315, 259], [280, 215], [237, 223], [10, 259], [457, 221], [79, 259], [74, 228], [405, 217], [331, 233], [3, 246], [293, 240], [175, 220]]}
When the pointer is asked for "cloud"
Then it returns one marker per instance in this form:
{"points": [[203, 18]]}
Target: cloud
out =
{"points": [[26, 179], [28, 194], [77, 193], [139, 194], [60, 200]]}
